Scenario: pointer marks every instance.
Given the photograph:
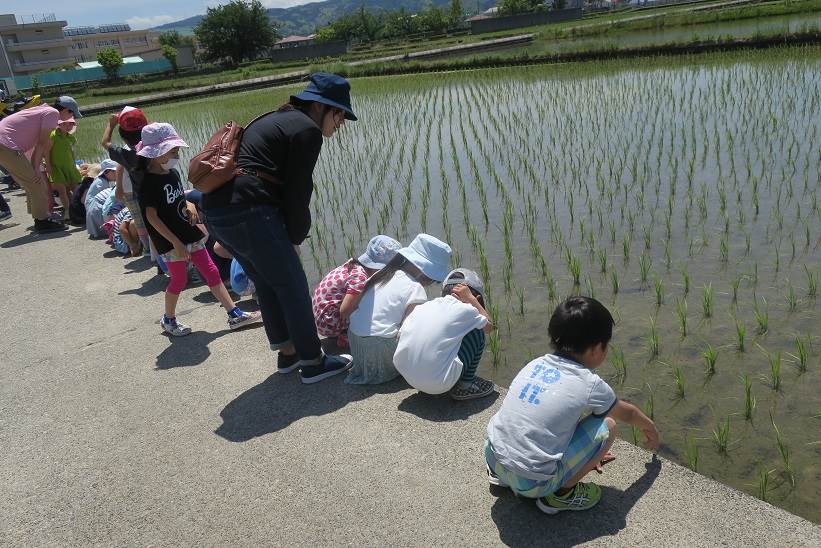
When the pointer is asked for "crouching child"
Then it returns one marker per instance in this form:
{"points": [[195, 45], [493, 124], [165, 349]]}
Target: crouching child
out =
{"points": [[558, 421], [441, 342]]}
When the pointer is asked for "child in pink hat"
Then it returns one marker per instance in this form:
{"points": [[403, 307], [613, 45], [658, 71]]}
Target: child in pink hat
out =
{"points": [[172, 224]]}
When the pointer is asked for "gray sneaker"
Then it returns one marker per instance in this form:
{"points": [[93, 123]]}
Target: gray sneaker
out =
{"points": [[175, 329], [247, 318]]}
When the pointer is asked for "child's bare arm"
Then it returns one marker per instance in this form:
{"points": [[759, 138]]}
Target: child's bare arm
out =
{"points": [[349, 304], [119, 191], [463, 293], [627, 412]]}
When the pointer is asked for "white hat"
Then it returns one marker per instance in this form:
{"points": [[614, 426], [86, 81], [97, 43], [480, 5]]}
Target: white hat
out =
{"points": [[428, 254], [108, 165], [159, 138]]}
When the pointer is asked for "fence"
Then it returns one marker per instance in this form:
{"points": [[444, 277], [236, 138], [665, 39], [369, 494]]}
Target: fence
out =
{"points": [[494, 24], [88, 75]]}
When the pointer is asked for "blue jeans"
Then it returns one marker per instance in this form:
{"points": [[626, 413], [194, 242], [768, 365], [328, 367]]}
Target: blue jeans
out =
{"points": [[257, 239]]}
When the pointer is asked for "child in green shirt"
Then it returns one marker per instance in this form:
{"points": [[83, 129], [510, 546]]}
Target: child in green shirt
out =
{"points": [[62, 167]]}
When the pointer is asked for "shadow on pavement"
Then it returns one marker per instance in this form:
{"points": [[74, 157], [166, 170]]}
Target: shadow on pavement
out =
{"points": [[188, 351], [139, 265], [151, 286], [443, 408], [280, 400], [521, 523], [34, 237]]}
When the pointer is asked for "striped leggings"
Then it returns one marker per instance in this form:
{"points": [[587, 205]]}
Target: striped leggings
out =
{"points": [[470, 354]]}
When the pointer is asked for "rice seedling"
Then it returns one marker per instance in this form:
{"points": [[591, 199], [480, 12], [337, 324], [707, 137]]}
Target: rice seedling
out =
{"points": [[734, 285], [681, 312], [644, 269], [763, 483], [591, 289], [520, 294], [784, 452], [812, 282], [659, 289], [653, 339], [749, 400], [614, 282], [710, 355], [802, 354], [678, 377], [762, 316], [620, 365], [792, 298], [575, 268], [685, 280], [691, 452], [721, 436], [650, 404], [775, 370], [741, 335], [707, 301]]}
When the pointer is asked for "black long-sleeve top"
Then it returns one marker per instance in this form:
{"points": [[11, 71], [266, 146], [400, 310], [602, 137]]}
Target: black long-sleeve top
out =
{"points": [[285, 145]]}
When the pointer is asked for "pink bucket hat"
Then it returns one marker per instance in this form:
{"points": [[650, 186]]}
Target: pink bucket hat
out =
{"points": [[157, 139]]}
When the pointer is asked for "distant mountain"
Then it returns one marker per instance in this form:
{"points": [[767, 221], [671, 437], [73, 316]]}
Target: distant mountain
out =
{"points": [[305, 19]]}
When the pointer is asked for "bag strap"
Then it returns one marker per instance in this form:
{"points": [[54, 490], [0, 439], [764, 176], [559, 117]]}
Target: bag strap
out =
{"points": [[259, 117]]}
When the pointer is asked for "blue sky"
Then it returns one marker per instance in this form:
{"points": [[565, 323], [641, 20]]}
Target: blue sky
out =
{"points": [[139, 14]]}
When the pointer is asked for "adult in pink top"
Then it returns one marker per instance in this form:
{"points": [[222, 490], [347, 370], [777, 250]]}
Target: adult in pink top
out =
{"points": [[25, 145]]}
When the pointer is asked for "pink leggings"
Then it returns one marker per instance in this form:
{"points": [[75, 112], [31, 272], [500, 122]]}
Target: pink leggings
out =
{"points": [[179, 272]]}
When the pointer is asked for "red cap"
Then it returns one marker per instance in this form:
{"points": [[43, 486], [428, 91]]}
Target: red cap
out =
{"points": [[132, 120]]}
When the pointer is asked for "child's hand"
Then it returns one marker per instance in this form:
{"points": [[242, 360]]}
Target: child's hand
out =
{"points": [[462, 292], [608, 457], [113, 120], [651, 438], [181, 251]]}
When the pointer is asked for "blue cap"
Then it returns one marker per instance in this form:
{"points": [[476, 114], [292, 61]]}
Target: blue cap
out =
{"points": [[381, 249], [329, 89], [69, 103]]}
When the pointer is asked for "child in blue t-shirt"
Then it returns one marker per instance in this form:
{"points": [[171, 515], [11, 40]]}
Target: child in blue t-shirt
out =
{"points": [[558, 420]]}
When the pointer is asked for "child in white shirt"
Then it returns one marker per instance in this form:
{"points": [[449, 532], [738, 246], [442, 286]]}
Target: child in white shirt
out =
{"points": [[387, 299], [441, 342]]}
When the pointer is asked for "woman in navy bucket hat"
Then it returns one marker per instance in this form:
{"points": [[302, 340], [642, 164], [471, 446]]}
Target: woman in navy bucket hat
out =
{"points": [[263, 215]]}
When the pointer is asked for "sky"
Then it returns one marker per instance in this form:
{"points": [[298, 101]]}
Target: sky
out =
{"points": [[140, 14]]}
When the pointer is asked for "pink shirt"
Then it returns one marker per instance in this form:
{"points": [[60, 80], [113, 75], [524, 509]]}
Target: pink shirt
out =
{"points": [[21, 131], [348, 279]]}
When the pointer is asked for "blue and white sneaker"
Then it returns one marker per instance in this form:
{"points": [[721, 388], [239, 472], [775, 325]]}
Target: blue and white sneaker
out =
{"points": [[5, 214], [247, 318], [330, 366], [175, 328]]}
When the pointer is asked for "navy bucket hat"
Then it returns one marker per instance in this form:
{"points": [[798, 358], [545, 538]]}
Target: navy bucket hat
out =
{"points": [[329, 89]]}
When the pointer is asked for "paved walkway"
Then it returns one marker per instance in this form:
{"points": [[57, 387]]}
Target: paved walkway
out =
{"points": [[111, 434]]}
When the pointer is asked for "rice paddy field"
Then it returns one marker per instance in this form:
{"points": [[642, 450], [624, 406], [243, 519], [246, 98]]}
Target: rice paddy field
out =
{"points": [[681, 192]]}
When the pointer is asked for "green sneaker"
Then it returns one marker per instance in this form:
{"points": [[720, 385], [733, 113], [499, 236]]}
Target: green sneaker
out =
{"points": [[583, 497]]}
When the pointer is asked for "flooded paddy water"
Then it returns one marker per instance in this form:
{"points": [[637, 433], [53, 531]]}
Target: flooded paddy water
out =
{"points": [[683, 193]]}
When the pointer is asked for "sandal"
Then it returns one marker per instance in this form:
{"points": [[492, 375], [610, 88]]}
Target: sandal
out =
{"points": [[479, 388]]}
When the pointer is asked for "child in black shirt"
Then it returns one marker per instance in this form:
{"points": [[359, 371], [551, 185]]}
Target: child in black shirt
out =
{"points": [[171, 222]]}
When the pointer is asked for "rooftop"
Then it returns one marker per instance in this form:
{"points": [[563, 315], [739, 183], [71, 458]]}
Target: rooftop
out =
{"points": [[102, 29]]}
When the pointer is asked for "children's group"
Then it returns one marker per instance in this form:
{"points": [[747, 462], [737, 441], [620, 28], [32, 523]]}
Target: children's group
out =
{"points": [[557, 421]]}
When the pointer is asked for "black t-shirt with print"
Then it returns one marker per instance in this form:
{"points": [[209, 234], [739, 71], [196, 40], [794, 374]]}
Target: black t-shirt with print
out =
{"points": [[166, 194]]}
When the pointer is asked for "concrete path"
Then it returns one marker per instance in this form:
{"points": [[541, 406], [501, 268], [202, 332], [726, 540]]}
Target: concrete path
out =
{"points": [[112, 434]]}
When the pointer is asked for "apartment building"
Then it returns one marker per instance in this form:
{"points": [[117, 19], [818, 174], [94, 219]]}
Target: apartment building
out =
{"points": [[85, 42], [33, 43]]}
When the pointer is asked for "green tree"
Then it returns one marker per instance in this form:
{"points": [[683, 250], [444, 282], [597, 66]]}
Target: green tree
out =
{"points": [[111, 61], [236, 31], [456, 14], [512, 7], [170, 54], [170, 38]]}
